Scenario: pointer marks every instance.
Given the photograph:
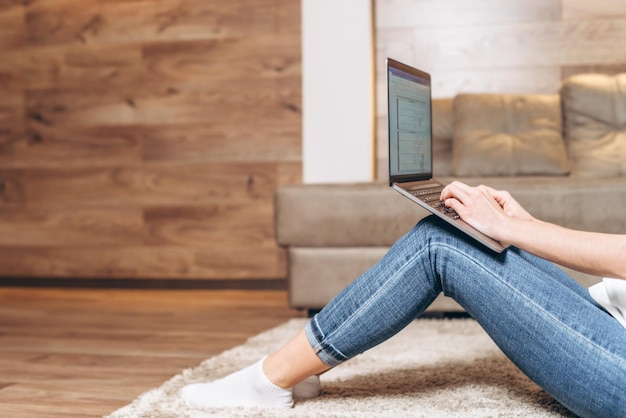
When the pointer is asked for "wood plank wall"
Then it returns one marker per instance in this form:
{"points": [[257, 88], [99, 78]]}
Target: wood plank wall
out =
{"points": [[145, 138], [515, 46]]}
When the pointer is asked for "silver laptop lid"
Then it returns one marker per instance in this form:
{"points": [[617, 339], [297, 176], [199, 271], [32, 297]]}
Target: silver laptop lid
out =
{"points": [[410, 123]]}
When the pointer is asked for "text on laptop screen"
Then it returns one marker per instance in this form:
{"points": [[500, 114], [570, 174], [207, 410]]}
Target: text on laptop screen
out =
{"points": [[409, 123]]}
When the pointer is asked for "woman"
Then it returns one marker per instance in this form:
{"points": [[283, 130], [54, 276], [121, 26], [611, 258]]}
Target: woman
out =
{"points": [[544, 321]]}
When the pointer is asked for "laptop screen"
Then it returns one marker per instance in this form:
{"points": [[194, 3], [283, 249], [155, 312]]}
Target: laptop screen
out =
{"points": [[409, 113]]}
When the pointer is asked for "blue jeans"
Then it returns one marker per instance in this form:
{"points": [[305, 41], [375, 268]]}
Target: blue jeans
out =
{"points": [[543, 320]]}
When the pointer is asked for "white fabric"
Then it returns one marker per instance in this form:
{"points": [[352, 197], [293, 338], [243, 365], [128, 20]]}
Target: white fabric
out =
{"points": [[248, 387], [611, 295]]}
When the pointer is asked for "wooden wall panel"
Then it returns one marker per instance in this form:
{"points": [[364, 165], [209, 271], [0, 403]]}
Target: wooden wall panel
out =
{"points": [[84, 227], [210, 226], [223, 59], [86, 21], [146, 138], [11, 109], [140, 185], [36, 145], [11, 24], [605, 9], [142, 262], [518, 46], [220, 142], [72, 67], [424, 13]]}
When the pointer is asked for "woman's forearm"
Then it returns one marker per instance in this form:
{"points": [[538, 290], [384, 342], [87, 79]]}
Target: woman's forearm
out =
{"points": [[589, 252]]}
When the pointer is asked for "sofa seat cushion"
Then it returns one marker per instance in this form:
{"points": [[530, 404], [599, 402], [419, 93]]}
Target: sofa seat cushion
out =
{"points": [[340, 215], [515, 134], [372, 214], [594, 107]]}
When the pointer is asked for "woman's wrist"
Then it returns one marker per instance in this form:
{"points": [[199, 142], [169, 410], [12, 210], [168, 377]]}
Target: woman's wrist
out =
{"points": [[516, 231]]}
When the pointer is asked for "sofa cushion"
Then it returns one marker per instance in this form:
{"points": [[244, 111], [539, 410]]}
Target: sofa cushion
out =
{"points": [[508, 135], [594, 107], [442, 137], [340, 215], [372, 214]]}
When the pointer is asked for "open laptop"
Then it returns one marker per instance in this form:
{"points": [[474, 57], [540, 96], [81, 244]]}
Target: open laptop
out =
{"points": [[411, 148]]}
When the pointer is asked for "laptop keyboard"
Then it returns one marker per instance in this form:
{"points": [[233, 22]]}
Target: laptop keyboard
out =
{"points": [[432, 195]]}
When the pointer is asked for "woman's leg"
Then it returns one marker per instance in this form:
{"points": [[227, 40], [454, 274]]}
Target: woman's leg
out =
{"points": [[543, 320]]}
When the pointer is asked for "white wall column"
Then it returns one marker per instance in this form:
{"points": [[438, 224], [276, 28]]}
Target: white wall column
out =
{"points": [[338, 91]]}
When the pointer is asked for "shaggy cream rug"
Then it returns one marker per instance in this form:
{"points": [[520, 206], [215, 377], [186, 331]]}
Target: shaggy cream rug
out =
{"points": [[433, 368]]}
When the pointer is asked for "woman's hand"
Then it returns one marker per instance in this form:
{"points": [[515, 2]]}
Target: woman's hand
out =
{"points": [[498, 215], [486, 209]]}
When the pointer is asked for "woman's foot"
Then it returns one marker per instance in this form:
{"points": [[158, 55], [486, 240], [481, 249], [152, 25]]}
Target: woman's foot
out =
{"points": [[248, 387]]}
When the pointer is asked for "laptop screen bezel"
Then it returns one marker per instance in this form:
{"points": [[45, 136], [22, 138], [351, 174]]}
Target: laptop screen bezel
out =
{"points": [[403, 178]]}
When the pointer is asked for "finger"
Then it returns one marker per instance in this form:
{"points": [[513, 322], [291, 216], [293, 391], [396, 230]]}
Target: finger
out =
{"points": [[502, 197], [499, 196], [456, 189], [455, 205], [491, 189]]}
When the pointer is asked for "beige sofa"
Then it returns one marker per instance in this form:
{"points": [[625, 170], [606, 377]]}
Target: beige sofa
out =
{"points": [[562, 156]]}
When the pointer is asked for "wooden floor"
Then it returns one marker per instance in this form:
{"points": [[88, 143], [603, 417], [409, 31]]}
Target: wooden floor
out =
{"points": [[86, 352]]}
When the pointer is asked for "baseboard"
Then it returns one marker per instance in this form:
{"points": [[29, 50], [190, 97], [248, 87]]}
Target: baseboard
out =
{"points": [[121, 283]]}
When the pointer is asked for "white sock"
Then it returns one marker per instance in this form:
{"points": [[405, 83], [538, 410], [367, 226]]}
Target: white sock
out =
{"points": [[248, 387], [307, 389]]}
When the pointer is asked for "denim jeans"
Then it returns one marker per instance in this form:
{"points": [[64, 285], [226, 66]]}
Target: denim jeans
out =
{"points": [[543, 320]]}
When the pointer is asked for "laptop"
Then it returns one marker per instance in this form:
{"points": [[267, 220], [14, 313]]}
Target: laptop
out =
{"points": [[411, 148]]}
